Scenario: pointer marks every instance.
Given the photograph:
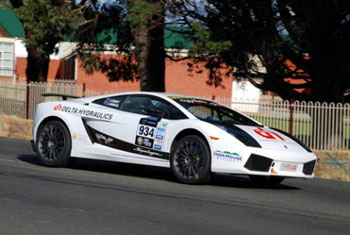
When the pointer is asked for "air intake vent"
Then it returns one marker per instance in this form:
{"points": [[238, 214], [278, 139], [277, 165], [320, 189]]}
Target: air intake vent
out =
{"points": [[258, 163], [309, 167]]}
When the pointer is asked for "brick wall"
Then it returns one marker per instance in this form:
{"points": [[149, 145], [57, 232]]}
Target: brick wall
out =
{"points": [[180, 80], [177, 80], [53, 73]]}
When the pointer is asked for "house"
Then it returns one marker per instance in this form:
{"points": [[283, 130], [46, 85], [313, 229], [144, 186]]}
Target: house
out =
{"points": [[67, 66], [11, 34], [13, 54]]}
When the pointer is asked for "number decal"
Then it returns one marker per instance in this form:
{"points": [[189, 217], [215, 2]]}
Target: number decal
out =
{"points": [[141, 128], [151, 133], [146, 131], [267, 134]]}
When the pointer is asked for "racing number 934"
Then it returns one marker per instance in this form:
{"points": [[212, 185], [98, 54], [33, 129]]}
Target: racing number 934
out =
{"points": [[146, 131]]}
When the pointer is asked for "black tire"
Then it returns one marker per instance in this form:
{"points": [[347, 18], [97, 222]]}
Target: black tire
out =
{"points": [[54, 144], [190, 160], [266, 181]]}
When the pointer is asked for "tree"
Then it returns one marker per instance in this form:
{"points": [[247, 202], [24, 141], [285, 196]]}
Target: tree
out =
{"points": [[139, 46], [302, 45], [45, 23], [305, 41], [147, 28]]}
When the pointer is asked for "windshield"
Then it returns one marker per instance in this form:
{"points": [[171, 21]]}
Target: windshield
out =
{"points": [[212, 112]]}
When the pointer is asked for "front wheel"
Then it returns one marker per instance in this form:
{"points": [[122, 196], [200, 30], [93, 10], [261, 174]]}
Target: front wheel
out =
{"points": [[266, 181], [54, 144], [190, 160]]}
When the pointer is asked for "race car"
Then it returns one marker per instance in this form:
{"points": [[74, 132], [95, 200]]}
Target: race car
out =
{"points": [[193, 137]]}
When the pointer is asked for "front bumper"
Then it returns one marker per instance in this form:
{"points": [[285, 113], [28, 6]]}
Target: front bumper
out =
{"points": [[262, 165]]}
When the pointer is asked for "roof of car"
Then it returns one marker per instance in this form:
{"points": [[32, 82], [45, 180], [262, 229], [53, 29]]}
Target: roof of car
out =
{"points": [[159, 94]]}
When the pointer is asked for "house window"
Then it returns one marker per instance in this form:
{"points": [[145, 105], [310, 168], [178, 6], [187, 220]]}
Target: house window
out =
{"points": [[69, 68], [6, 59]]}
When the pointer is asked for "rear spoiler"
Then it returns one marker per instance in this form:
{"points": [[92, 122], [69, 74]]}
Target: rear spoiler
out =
{"points": [[63, 96]]}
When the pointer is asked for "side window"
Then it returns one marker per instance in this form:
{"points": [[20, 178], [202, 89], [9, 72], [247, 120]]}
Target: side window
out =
{"points": [[112, 102], [176, 114], [151, 106], [203, 112]]}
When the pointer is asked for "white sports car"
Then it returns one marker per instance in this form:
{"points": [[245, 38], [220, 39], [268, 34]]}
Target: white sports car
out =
{"points": [[192, 136]]}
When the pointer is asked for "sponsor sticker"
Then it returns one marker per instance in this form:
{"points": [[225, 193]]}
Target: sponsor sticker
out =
{"points": [[57, 107], [83, 112], [158, 141], [147, 152], [160, 129], [105, 140], [106, 102], [193, 101], [143, 141], [228, 156], [163, 124], [157, 147], [149, 121], [112, 102], [159, 137]]}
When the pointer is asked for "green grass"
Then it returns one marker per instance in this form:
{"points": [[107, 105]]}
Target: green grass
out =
{"points": [[300, 127]]}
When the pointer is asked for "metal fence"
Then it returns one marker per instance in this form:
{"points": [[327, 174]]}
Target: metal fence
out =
{"points": [[21, 99], [321, 126]]}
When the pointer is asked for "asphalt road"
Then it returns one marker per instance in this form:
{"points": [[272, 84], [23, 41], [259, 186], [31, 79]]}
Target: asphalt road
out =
{"points": [[95, 197]]}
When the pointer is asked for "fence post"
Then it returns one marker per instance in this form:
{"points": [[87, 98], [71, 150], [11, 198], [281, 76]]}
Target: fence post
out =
{"points": [[84, 89], [27, 98], [291, 112]]}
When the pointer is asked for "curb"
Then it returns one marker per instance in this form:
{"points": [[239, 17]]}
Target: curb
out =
{"points": [[14, 127]]}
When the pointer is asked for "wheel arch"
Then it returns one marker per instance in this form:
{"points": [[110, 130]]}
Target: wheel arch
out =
{"points": [[49, 119], [187, 132], [61, 158]]}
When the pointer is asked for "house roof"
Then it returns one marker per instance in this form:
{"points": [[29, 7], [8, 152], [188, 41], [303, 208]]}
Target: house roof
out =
{"points": [[174, 37], [10, 22]]}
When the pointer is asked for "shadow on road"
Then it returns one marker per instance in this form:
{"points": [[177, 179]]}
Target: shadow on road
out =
{"points": [[30, 158], [150, 172]]}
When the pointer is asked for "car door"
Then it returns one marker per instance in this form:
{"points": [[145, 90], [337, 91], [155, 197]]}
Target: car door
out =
{"points": [[138, 127], [147, 124]]}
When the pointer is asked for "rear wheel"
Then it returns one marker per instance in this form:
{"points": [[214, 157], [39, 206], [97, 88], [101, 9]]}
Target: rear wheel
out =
{"points": [[190, 160], [54, 144], [266, 181]]}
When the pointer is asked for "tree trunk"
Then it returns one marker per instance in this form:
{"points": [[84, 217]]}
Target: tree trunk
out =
{"points": [[37, 69], [329, 74], [150, 53]]}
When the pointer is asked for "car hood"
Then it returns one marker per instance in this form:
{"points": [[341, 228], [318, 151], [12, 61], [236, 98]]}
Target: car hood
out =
{"points": [[273, 139], [263, 137]]}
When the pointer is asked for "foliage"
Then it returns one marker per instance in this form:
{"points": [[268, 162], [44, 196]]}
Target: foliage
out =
{"points": [[140, 12], [107, 31], [45, 23], [138, 47], [304, 41], [204, 45]]}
